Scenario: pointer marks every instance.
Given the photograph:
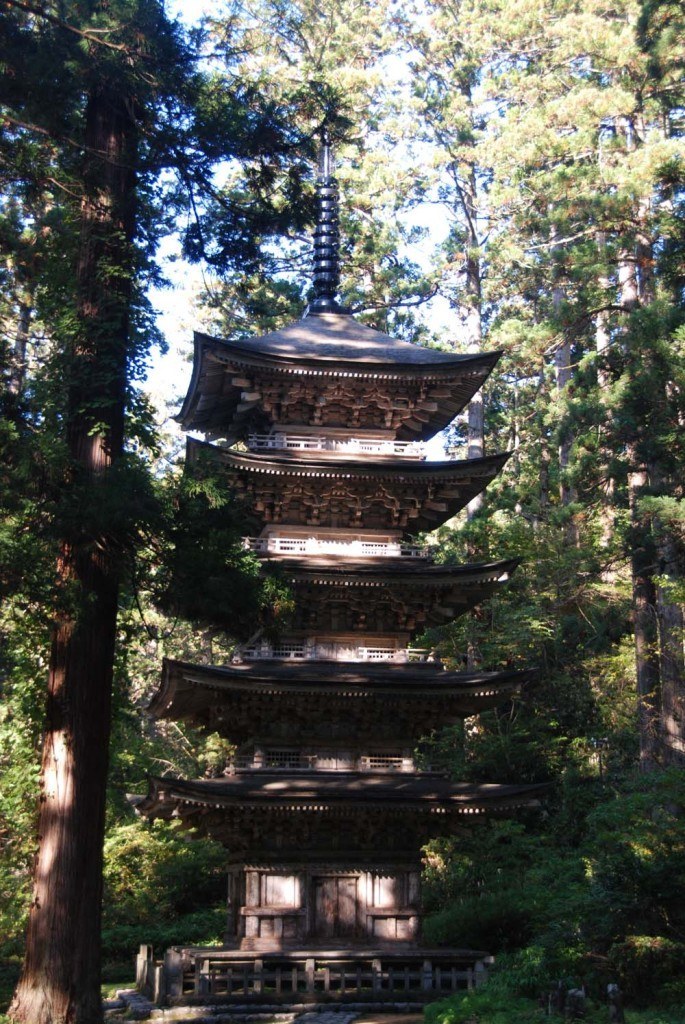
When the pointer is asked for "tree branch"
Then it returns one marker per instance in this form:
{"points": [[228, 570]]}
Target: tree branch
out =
{"points": [[53, 19]]}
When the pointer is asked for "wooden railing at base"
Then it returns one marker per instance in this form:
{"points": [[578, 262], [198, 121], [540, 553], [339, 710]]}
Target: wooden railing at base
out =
{"points": [[198, 975]]}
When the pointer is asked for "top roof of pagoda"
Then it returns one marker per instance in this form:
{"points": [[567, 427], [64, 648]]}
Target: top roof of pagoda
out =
{"points": [[339, 338], [330, 347]]}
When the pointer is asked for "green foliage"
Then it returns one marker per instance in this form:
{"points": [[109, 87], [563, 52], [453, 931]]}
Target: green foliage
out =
{"points": [[201, 571], [591, 897], [161, 887], [493, 922], [22, 671], [649, 969], [636, 862], [490, 1005], [498, 1003]]}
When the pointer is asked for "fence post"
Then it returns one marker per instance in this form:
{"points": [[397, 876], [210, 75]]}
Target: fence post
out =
{"points": [[427, 976], [376, 975], [202, 980], [173, 972], [258, 984], [480, 971], [142, 960], [158, 988]]}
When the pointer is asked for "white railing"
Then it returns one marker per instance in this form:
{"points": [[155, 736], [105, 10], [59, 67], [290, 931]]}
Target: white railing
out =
{"points": [[347, 445], [321, 546], [392, 654], [330, 652], [381, 763], [379, 654], [286, 761], [290, 651]]}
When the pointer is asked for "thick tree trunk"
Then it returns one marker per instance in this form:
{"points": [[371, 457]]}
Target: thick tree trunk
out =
{"points": [[60, 981], [647, 663], [669, 614]]}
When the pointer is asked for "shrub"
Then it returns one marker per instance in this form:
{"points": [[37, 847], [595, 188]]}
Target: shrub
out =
{"points": [[493, 922], [493, 1004], [202, 928], [649, 968]]}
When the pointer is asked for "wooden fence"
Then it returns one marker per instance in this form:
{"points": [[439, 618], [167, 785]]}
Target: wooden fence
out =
{"points": [[201, 975]]}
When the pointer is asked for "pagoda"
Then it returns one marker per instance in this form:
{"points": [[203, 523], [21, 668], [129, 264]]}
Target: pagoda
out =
{"points": [[323, 811]]}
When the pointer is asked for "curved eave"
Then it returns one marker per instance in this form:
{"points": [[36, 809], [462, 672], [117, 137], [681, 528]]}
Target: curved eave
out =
{"points": [[326, 793], [460, 479], [360, 574], [211, 403], [442, 592], [187, 690], [358, 468]]}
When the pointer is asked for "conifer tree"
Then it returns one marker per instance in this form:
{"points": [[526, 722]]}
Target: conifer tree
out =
{"points": [[581, 138], [328, 64], [448, 117], [98, 100]]}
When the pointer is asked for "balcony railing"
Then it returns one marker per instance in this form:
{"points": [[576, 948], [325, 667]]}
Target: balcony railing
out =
{"points": [[295, 761], [330, 652], [348, 445], [322, 546], [287, 652]]}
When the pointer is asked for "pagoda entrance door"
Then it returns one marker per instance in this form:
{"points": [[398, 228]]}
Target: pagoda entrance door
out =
{"points": [[335, 907]]}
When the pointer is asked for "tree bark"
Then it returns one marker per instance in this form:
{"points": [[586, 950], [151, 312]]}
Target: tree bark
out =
{"points": [[15, 384], [647, 662], [60, 980], [563, 374], [474, 327], [670, 725], [567, 492], [602, 344]]}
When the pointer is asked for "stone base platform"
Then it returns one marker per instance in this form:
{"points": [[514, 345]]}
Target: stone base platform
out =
{"points": [[202, 976]]}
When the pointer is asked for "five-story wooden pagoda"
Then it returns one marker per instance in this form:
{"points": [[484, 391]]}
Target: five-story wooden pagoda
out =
{"points": [[323, 811]]}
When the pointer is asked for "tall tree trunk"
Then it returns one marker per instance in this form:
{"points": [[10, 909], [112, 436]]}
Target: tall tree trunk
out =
{"points": [[476, 409], [669, 614], [20, 347], [567, 492], [647, 667], [563, 374], [474, 328], [543, 485], [60, 981], [602, 343]]}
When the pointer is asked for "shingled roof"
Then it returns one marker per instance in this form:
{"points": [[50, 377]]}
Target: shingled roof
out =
{"points": [[330, 345], [231, 698]]}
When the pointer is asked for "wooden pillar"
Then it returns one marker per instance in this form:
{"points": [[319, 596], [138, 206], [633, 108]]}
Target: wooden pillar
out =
{"points": [[173, 972]]}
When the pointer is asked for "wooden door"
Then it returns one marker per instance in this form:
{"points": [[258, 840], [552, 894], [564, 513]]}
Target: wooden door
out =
{"points": [[335, 903]]}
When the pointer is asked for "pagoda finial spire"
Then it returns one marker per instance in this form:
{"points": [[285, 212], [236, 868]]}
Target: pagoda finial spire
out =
{"points": [[327, 234]]}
